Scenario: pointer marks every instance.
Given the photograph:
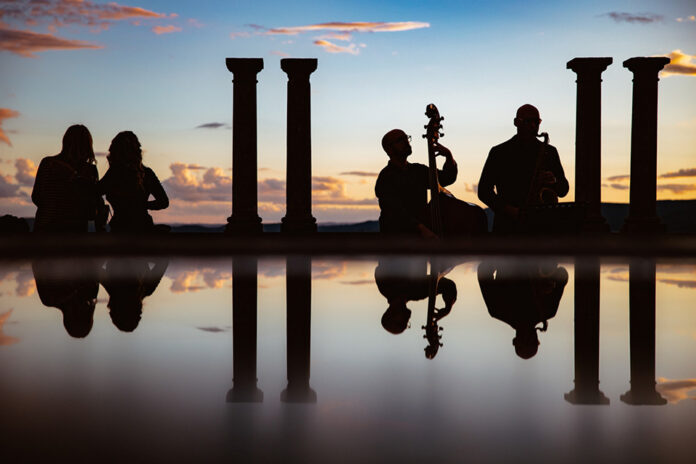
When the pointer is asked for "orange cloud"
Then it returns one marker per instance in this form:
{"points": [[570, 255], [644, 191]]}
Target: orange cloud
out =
{"points": [[166, 29], [676, 390], [5, 113], [26, 171], [677, 188], [27, 43], [691, 18], [473, 188], [359, 174], [187, 185], [351, 27], [279, 53], [681, 64], [333, 48], [6, 340], [680, 283], [199, 279], [619, 178]]}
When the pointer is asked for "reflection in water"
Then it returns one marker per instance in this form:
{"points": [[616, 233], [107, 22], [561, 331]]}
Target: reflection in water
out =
{"points": [[522, 295], [402, 280], [129, 282], [642, 331], [586, 389], [72, 287], [244, 309]]}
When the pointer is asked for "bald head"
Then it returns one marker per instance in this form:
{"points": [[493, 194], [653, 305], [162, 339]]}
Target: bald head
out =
{"points": [[396, 144], [527, 121]]}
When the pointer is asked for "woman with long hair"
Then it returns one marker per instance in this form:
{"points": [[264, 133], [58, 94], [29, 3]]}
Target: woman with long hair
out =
{"points": [[65, 190], [128, 185]]}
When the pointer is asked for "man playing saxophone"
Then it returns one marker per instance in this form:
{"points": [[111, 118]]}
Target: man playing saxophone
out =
{"points": [[520, 173]]}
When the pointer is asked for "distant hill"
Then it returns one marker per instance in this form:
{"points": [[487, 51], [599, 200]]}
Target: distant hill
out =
{"points": [[678, 215]]}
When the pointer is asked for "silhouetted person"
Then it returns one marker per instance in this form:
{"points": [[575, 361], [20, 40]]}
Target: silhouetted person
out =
{"points": [[13, 225], [72, 287], [403, 280], [402, 187], [511, 168], [65, 186], [522, 297], [128, 185], [128, 282]]}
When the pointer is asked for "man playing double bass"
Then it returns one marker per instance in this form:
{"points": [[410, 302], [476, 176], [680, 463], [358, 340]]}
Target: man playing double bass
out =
{"points": [[402, 187], [518, 171]]}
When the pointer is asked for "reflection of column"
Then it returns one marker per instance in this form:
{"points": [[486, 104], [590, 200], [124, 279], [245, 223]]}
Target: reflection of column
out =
{"points": [[299, 308], [586, 389], [588, 138], [642, 216], [244, 388], [245, 218], [642, 325], [299, 146]]}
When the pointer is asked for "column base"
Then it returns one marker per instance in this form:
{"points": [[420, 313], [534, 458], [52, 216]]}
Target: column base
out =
{"points": [[245, 395], [646, 397], [586, 396], [237, 225], [305, 225], [304, 394], [650, 225]]}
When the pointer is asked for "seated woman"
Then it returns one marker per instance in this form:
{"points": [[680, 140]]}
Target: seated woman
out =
{"points": [[128, 185], [65, 186]]}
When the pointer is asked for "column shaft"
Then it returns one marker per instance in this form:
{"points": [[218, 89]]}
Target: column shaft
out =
{"points": [[299, 146], [642, 215], [588, 138], [245, 218]]}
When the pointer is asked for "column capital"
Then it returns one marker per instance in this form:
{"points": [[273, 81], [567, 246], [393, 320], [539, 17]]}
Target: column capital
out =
{"points": [[244, 65], [297, 67], [589, 65], [644, 65]]}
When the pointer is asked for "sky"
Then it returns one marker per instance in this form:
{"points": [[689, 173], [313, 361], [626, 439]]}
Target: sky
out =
{"points": [[158, 68]]}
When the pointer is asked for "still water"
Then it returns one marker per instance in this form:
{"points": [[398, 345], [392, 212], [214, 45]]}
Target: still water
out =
{"points": [[458, 359]]}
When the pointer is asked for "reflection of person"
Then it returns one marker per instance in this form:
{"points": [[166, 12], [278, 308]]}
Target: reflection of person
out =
{"points": [[128, 185], [509, 171], [402, 187], [128, 282], [522, 297], [403, 280], [65, 186], [72, 287]]}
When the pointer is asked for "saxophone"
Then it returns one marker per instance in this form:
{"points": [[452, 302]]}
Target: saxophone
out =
{"points": [[540, 194]]}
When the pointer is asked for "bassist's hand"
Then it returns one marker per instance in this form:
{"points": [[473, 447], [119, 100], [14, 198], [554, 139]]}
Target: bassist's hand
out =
{"points": [[441, 150]]}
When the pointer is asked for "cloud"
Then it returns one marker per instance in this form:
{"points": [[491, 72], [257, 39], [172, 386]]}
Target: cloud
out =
{"points": [[619, 186], [359, 282], [279, 53], [59, 13], [640, 18], [213, 329], [473, 188], [676, 390], [677, 188], [26, 171], [333, 48], [199, 279], [234, 35], [195, 23], [187, 185], [619, 178], [6, 340], [213, 125], [9, 189], [359, 173], [27, 43], [159, 30], [5, 113], [345, 36], [681, 64], [691, 18], [690, 172], [362, 26], [679, 283]]}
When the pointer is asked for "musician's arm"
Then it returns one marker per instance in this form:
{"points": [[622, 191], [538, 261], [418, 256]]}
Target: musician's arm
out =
{"points": [[486, 192], [448, 174], [561, 186]]}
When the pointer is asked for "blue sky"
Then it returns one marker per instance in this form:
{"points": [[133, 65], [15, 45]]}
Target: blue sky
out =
{"points": [[478, 61]]}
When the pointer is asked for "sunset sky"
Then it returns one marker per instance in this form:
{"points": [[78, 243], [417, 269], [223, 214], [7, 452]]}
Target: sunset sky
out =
{"points": [[158, 68]]}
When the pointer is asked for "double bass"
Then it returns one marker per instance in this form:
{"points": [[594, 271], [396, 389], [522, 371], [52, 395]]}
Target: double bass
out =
{"points": [[449, 216]]}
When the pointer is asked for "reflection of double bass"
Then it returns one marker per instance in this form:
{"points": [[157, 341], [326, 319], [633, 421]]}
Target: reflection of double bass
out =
{"points": [[449, 216]]}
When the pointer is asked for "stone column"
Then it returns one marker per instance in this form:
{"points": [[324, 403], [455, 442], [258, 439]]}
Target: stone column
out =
{"points": [[245, 218], [244, 310], [641, 287], [588, 139], [299, 323], [586, 389], [642, 216], [298, 218]]}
